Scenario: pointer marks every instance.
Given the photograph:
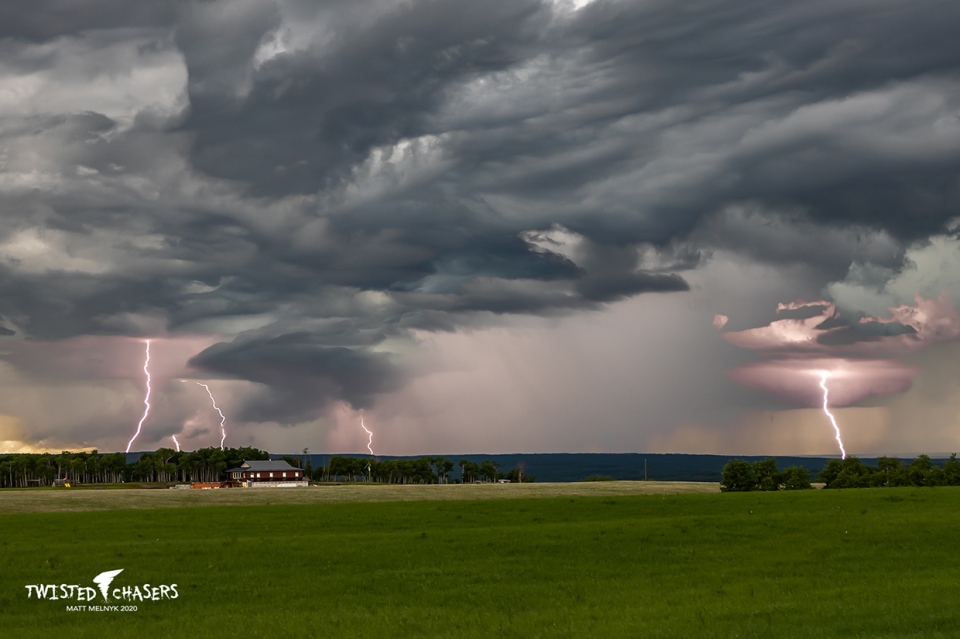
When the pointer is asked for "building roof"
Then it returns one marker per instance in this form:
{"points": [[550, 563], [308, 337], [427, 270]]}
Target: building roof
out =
{"points": [[264, 465]]}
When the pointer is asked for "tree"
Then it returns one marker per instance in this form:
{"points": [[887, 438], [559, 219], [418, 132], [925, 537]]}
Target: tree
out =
{"points": [[114, 467], [7, 470], [951, 470], [63, 464], [337, 466], [766, 475], [936, 477], [796, 478], [848, 473], [421, 472], [737, 476], [488, 470], [144, 468], [161, 459], [469, 471], [443, 467], [919, 471], [887, 466]]}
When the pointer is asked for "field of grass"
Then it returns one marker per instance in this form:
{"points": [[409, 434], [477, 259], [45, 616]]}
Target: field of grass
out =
{"points": [[113, 498], [861, 563]]}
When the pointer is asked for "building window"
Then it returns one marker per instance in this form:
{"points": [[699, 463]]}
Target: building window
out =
{"points": [[284, 474], [271, 475]]}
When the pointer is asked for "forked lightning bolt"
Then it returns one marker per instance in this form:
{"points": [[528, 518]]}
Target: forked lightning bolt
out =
{"points": [[826, 409], [146, 399], [223, 419], [370, 441], [176, 442]]}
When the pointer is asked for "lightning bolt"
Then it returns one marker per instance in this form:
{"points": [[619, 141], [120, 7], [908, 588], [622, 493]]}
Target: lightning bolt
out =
{"points": [[223, 419], [104, 579], [823, 384], [370, 441], [176, 442], [146, 399]]}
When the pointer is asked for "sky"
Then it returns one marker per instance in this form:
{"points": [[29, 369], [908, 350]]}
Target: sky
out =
{"points": [[508, 226]]}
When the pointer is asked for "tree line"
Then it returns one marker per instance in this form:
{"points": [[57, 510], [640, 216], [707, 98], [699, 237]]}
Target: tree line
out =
{"points": [[739, 476], [425, 470], [742, 476], [889, 471], [22, 470]]}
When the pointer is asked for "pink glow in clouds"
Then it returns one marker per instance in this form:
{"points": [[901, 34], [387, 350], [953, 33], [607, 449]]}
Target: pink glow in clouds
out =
{"points": [[113, 362], [785, 334], [935, 321], [800, 349], [928, 322], [797, 380], [105, 357]]}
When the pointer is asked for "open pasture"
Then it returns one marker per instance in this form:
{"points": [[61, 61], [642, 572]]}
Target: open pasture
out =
{"points": [[866, 563], [72, 499]]}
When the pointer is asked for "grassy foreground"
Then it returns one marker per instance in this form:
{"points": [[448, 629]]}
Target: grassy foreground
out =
{"points": [[861, 563]]}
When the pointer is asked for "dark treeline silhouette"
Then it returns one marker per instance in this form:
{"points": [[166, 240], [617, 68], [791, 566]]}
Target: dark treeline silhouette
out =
{"points": [[574, 467], [424, 470], [740, 476], [163, 465], [852, 473]]}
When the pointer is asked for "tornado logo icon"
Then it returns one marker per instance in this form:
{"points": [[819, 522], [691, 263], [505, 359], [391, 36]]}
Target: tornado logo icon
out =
{"points": [[104, 579]]}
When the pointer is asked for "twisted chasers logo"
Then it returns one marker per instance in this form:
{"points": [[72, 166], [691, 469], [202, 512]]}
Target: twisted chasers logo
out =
{"points": [[126, 594]]}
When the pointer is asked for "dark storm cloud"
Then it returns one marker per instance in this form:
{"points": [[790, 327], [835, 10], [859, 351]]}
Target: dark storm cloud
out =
{"points": [[303, 373], [45, 19], [218, 40], [310, 115], [862, 332], [407, 165]]}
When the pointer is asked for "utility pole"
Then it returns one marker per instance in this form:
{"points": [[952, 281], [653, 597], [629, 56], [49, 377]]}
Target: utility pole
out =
{"points": [[644, 469]]}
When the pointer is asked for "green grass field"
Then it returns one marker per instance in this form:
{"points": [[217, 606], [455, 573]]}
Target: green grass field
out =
{"points": [[859, 563]]}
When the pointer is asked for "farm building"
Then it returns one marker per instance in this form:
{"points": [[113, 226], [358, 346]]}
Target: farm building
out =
{"points": [[266, 473]]}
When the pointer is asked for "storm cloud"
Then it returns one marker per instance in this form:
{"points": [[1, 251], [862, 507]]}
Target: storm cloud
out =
{"points": [[313, 187]]}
